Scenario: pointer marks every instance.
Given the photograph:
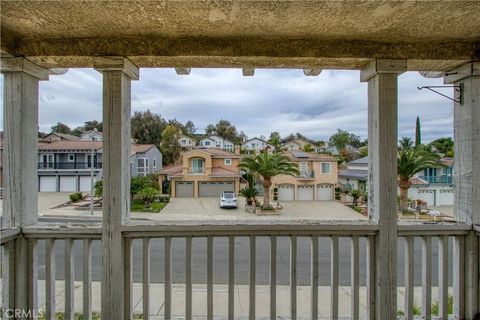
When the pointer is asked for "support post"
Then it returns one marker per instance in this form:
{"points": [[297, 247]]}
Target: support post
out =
{"points": [[381, 76], [467, 172], [117, 75], [20, 110]]}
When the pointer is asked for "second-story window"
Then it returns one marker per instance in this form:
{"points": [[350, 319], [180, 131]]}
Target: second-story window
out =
{"points": [[154, 165], [142, 166], [197, 166], [326, 167], [71, 158]]}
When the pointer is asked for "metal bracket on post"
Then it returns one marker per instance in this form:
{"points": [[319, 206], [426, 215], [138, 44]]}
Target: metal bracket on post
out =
{"points": [[458, 88]]}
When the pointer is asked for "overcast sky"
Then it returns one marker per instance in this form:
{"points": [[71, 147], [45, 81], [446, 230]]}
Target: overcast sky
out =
{"points": [[272, 100]]}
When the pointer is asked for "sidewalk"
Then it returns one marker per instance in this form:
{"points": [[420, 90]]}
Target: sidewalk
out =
{"points": [[220, 299]]}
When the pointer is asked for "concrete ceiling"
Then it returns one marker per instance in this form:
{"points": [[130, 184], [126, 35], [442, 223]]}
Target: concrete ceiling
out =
{"points": [[432, 35]]}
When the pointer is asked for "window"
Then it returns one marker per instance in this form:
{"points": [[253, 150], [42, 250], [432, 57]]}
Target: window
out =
{"points": [[197, 166], [207, 143], [326, 167], [184, 141], [71, 158], [142, 166], [154, 165], [228, 162]]}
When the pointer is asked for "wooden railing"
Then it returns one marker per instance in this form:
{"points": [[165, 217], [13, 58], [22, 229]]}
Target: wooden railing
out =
{"points": [[441, 234]]}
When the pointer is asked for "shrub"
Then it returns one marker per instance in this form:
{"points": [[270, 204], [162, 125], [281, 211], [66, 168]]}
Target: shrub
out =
{"points": [[98, 188], [147, 195], [249, 193], [75, 197], [141, 182]]}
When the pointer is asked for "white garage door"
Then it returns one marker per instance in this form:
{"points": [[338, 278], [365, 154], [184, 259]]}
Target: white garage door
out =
{"points": [[48, 184], [184, 189], [214, 189], [68, 184], [305, 193], [445, 197], [85, 183], [286, 192], [427, 196], [325, 192]]}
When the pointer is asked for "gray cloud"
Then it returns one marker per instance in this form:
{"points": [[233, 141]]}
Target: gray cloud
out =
{"points": [[272, 100]]}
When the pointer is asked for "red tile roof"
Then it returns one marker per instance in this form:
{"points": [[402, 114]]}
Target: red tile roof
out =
{"points": [[70, 145], [222, 172], [217, 152], [171, 170], [418, 181], [302, 156]]}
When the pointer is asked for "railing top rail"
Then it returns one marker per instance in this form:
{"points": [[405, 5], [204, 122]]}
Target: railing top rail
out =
{"points": [[64, 231], [9, 234], [433, 229]]}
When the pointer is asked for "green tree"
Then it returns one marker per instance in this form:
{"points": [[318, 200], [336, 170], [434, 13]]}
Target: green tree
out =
{"points": [[355, 195], [268, 165], [363, 152], [275, 141], [340, 139], [147, 127], [170, 145], [409, 162], [308, 148], [88, 126], [61, 128], [418, 134], [190, 128], [444, 146], [405, 142]]}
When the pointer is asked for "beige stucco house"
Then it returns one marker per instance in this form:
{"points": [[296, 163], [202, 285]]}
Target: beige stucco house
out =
{"points": [[299, 144], [316, 181], [203, 172]]}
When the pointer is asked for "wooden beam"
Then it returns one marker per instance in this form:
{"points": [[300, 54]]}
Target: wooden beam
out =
{"points": [[183, 71], [117, 75], [382, 203], [312, 72]]}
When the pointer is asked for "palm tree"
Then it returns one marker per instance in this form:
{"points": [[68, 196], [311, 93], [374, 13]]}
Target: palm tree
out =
{"points": [[410, 161], [405, 142], [269, 165]]}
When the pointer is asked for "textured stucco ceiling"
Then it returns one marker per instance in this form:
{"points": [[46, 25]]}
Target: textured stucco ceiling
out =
{"points": [[209, 33]]}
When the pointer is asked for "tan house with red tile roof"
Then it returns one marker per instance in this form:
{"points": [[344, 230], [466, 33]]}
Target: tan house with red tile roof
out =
{"points": [[317, 179], [203, 172]]}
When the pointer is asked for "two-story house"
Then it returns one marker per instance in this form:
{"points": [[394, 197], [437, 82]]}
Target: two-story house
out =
{"points": [[203, 172], [256, 145], [91, 135], [56, 136], [66, 166], [434, 185], [316, 181], [355, 176], [187, 142], [217, 142], [299, 145]]}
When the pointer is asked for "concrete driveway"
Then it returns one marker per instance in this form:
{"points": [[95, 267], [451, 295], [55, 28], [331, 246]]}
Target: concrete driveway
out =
{"points": [[209, 209]]}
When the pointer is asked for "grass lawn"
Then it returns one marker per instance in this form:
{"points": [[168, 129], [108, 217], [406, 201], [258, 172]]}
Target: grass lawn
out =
{"points": [[138, 206]]}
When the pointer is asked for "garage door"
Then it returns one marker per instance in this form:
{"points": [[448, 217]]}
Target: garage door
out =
{"points": [[214, 189], [325, 192], [305, 193], [427, 196], [68, 184], [85, 183], [445, 197], [286, 192], [184, 189], [48, 184]]}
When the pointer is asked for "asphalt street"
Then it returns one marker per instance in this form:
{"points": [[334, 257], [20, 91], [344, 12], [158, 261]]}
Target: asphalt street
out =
{"points": [[220, 263]]}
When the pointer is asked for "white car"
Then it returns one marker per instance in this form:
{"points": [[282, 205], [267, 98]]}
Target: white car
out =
{"points": [[228, 199]]}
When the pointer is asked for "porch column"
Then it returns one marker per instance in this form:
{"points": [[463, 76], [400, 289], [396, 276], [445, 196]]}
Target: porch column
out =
{"points": [[381, 76], [20, 123], [117, 75], [467, 171]]}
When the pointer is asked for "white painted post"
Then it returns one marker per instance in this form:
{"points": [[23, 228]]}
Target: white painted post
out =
{"points": [[381, 76], [20, 111], [117, 75], [467, 171]]}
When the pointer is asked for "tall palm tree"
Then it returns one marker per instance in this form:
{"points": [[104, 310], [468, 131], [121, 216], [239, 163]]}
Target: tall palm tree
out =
{"points": [[269, 165], [410, 161], [405, 142]]}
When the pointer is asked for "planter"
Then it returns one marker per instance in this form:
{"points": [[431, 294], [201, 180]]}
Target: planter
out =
{"points": [[250, 208], [261, 212]]}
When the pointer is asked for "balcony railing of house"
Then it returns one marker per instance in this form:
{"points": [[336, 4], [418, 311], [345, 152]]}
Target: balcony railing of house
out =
{"points": [[438, 179], [68, 165], [306, 175], [196, 170]]}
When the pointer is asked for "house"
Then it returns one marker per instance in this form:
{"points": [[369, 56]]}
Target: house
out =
{"points": [[217, 142], [56, 136], [299, 144], [66, 166], [256, 144], [203, 172], [355, 176], [434, 185], [316, 181], [91, 135], [187, 142]]}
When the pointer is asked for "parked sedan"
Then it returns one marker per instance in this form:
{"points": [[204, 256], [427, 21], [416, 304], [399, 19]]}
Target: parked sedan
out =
{"points": [[228, 199]]}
